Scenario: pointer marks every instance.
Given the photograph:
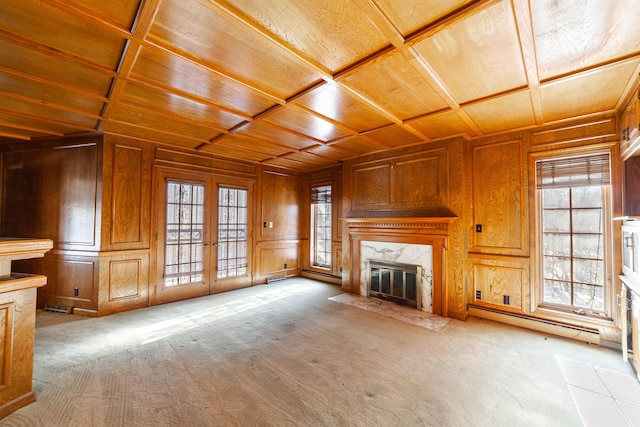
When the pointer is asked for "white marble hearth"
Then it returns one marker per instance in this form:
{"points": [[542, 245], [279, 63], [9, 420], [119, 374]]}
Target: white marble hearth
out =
{"points": [[398, 312], [414, 254]]}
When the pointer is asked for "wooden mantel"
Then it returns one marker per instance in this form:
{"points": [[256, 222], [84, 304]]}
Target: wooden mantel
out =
{"points": [[433, 231], [419, 225], [18, 317]]}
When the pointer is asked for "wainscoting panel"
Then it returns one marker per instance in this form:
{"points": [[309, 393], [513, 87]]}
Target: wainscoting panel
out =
{"points": [[277, 258]]}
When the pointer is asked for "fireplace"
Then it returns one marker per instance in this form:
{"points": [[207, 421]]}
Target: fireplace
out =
{"points": [[410, 241], [396, 282]]}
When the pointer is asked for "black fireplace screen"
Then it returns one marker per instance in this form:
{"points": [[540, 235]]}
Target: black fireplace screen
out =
{"points": [[395, 282]]}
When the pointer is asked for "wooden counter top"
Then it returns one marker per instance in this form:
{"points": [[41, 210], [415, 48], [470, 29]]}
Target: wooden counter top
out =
{"points": [[15, 248]]}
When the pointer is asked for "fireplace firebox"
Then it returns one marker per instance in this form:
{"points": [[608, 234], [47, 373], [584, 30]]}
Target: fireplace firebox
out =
{"points": [[396, 282]]}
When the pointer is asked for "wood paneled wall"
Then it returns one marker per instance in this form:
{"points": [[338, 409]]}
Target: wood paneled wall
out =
{"points": [[283, 215], [486, 183]]}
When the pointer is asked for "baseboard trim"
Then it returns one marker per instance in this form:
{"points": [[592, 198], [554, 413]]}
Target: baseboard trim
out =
{"points": [[537, 324]]}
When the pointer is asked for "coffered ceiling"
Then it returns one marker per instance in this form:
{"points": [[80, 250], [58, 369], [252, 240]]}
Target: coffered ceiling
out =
{"points": [[304, 84]]}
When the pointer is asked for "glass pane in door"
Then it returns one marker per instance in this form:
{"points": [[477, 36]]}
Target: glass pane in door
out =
{"points": [[184, 255], [232, 232]]}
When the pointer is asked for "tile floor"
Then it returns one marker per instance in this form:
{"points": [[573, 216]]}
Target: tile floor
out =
{"points": [[603, 397]]}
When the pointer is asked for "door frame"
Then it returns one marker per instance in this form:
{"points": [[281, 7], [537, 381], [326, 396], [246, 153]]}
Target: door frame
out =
{"points": [[158, 178]]}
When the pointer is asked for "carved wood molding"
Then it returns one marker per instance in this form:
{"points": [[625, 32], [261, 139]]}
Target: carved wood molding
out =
{"points": [[421, 225]]}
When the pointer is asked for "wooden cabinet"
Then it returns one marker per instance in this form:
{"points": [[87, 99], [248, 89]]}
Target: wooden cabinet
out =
{"points": [[630, 128]]}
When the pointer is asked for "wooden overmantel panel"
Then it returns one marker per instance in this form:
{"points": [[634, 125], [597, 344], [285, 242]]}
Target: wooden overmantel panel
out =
{"points": [[409, 181]]}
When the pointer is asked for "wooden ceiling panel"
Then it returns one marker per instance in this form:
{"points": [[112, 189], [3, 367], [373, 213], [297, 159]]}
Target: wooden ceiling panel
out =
{"points": [[502, 113], [440, 125], [42, 67], [409, 16], [224, 151], [20, 133], [162, 102], [119, 13], [393, 136], [195, 28], [51, 27], [36, 92], [307, 83], [313, 161], [173, 72], [40, 111], [357, 145], [306, 123], [39, 126], [264, 132], [146, 119], [590, 93], [151, 135], [477, 56], [330, 152], [332, 33], [574, 35], [235, 145], [334, 103], [393, 85]]}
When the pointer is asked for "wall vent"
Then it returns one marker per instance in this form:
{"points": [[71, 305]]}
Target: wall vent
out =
{"points": [[57, 309], [273, 279]]}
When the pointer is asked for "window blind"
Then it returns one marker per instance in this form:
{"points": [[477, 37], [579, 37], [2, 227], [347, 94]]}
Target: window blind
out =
{"points": [[321, 195], [580, 171]]}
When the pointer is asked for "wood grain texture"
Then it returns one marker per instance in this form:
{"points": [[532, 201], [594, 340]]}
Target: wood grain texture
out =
{"points": [[496, 281], [573, 34], [281, 197], [372, 187], [348, 35], [230, 48], [126, 194], [271, 258], [499, 198], [486, 43], [59, 206], [124, 281]]}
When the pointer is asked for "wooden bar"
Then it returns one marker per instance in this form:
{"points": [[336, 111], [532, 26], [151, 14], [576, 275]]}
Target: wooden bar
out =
{"points": [[17, 322]]}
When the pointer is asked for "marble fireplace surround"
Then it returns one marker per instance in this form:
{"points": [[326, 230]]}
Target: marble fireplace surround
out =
{"points": [[429, 231]]}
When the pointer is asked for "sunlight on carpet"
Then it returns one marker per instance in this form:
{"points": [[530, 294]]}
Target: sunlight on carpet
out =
{"points": [[405, 314]]}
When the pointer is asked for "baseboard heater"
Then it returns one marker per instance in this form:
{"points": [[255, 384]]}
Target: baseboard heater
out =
{"points": [[274, 279], [325, 277], [541, 325]]}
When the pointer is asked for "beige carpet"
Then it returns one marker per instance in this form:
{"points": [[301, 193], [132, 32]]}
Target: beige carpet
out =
{"points": [[285, 355], [389, 309]]}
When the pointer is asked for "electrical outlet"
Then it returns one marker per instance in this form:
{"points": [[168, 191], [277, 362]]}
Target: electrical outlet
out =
{"points": [[505, 299], [75, 292], [285, 265], [478, 294], [478, 228]]}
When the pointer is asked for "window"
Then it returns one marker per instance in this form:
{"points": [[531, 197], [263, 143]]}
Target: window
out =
{"points": [[232, 232], [321, 226], [573, 199], [183, 234]]}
